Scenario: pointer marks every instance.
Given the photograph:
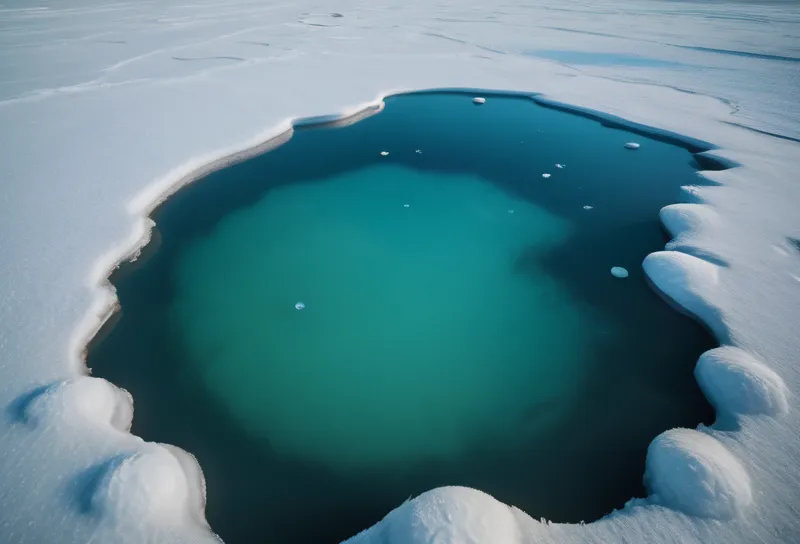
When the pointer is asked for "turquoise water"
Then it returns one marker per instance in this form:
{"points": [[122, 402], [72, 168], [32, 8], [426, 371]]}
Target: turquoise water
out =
{"points": [[459, 323], [418, 330]]}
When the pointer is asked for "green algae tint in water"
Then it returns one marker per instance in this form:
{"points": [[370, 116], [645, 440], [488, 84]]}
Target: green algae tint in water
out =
{"points": [[444, 339], [419, 335]]}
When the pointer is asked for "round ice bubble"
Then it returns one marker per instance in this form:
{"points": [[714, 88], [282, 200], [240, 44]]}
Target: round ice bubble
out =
{"points": [[619, 272], [300, 306]]}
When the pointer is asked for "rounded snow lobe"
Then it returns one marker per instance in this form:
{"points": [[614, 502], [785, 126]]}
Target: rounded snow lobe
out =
{"points": [[693, 473], [81, 401], [683, 218], [450, 514], [161, 484], [632, 145], [686, 281], [619, 272], [735, 383], [479, 100]]}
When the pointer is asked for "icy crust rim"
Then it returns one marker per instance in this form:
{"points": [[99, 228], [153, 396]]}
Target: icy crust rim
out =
{"points": [[689, 471]]}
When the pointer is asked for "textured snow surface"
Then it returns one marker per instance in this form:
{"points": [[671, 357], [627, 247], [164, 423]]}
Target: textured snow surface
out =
{"points": [[105, 108], [694, 473], [737, 384]]}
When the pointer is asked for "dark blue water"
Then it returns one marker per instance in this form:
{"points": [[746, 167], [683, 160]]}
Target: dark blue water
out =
{"points": [[461, 325]]}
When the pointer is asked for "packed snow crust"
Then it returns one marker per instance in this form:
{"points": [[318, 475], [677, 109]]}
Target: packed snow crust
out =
{"points": [[106, 109]]}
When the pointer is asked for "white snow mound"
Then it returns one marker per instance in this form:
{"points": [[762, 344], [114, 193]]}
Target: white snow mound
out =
{"points": [[150, 486], [679, 219], [632, 145], [479, 100], [83, 401], [682, 278], [693, 473], [736, 383], [448, 515]]}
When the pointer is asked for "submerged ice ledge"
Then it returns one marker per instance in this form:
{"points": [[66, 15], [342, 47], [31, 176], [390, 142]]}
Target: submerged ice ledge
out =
{"points": [[164, 485]]}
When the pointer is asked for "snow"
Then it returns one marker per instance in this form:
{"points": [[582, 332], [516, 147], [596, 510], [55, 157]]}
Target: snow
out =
{"points": [[105, 109], [479, 100], [687, 281], [545, 175], [693, 473], [736, 383], [447, 514], [632, 145]]}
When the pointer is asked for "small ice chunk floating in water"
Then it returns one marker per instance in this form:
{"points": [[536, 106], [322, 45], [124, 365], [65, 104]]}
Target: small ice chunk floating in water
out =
{"points": [[384, 153], [406, 205], [631, 145], [619, 272], [545, 176], [510, 211], [587, 207], [418, 152], [300, 306], [479, 100], [559, 165]]}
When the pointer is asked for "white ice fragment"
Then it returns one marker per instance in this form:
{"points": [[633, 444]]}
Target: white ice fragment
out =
{"points": [[479, 100], [406, 205], [559, 165], [619, 272], [300, 306], [587, 207], [545, 176], [418, 151], [510, 211], [693, 473], [736, 383], [632, 145], [384, 153]]}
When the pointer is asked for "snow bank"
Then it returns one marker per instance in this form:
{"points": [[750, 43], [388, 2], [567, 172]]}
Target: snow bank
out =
{"points": [[681, 219], [78, 402], [736, 383], [687, 281], [692, 472], [160, 485], [449, 515]]}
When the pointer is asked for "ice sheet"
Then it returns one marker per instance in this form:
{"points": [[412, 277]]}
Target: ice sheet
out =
{"points": [[104, 107]]}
